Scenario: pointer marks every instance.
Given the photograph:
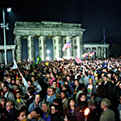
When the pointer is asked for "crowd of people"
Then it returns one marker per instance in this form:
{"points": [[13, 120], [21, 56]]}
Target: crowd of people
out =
{"points": [[61, 91]]}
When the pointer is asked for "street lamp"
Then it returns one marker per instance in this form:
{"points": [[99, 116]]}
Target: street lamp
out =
{"points": [[5, 26]]}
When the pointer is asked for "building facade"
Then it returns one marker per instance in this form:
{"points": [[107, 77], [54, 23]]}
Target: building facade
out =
{"points": [[101, 50], [46, 40], [10, 49]]}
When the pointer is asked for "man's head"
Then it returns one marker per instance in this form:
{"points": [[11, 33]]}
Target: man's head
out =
{"points": [[5, 88], [68, 78], [21, 114], [37, 98], [50, 91], [54, 84], [63, 94], [82, 97], [105, 103], [18, 96], [105, 78], [44, 107], [2, 101], [33, 78], [9, 106], [76, 82], [53, 109]]}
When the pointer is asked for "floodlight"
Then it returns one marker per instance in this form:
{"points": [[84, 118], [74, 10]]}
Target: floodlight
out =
{"points": [[9, 10]]}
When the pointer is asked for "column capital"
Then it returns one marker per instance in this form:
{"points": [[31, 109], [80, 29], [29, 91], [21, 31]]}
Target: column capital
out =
{"points": [[56, 37], [30, 37], [68, 37], [42, 37], [78, 37], [17, 36]]}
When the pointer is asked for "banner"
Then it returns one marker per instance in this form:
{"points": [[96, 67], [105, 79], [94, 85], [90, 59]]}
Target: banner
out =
{"points": [[78, 60], [67, 45]]}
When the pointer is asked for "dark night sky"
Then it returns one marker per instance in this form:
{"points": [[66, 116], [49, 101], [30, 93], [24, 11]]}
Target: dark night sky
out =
{"points": [[95, 15]]}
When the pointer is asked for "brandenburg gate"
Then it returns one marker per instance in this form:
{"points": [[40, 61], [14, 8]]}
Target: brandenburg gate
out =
{"points": [[46, 39]]}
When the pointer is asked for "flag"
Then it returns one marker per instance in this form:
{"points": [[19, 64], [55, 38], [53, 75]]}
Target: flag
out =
{"points": [[85, 55], [104, 35], [91, 54], [15, 66], [67, 45], [78, 60]]}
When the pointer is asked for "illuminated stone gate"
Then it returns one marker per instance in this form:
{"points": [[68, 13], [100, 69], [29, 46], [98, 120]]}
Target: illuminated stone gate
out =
{"points": [[46, 40], [39, 33]]}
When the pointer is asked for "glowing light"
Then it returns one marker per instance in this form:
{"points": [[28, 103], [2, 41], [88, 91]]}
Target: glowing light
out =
{"points": [[9, 9], [48, 51], [86, 112]]}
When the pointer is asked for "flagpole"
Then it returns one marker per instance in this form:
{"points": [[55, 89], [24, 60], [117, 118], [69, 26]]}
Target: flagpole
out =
{"points": [[104, 43], [4, 32], [104, 36]]}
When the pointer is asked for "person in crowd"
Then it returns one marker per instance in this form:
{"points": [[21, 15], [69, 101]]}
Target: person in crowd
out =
{"points": [[19, 101], [9, 95], [94, 113], [10, 111], [71, 112], [36, 104], [21, 86], [55, 114], [36, 84], [82, 104], [64, 86], [45, 112], [64, 100], [57, 89], [50, 95], [21, 114], [29, 96], [76, 86], [119, 108], [107, 114], [3, 116]]}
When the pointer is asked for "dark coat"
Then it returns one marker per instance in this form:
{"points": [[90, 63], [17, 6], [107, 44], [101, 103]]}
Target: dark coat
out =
{"points": [[11, 116]]}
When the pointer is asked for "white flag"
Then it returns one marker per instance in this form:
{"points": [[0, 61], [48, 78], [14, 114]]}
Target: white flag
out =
{"points": [[15, 66]]}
